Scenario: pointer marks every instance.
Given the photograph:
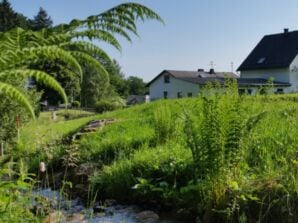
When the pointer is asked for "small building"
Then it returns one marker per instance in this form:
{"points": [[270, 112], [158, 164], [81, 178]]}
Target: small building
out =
{"points": [[276, 57], [136, 99], [178, 84]]}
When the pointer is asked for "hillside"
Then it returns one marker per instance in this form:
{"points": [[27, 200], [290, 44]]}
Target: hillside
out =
{"points": [[217, 158]]}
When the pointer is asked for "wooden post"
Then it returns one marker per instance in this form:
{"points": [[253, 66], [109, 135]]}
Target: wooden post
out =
{"points": [[54, 115], [2, 149]]}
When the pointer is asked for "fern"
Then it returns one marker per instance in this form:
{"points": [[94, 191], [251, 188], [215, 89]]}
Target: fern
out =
{"points": [[90, 61], [39, 76], [16, 95], [20, 49], [88, 48]]}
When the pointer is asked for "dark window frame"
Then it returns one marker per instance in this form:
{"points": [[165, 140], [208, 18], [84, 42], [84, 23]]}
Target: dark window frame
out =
{"points": [[165, 95], [241, 91], [166, 79], [279, 91]]}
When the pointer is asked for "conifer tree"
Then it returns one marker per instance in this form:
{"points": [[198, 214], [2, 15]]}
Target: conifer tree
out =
{"points": [[8, 17], [41, 20]]}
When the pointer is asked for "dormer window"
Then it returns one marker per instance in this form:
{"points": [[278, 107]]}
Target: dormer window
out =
{"points": [[261, 60], [166, 79]]}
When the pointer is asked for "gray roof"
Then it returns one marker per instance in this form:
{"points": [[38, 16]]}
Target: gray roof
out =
{"points": [[177, 73], [195, 74], [273, 51]]}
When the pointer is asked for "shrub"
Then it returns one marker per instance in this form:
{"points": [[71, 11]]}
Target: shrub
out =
{"points": [[75, 104], [105, 105]]}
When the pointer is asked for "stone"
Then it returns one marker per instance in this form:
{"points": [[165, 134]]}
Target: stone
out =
{"points": [[54, 217], [86, 169], [75, 218], [99, 209], [147, 216], [110, 202], [90, 129]]}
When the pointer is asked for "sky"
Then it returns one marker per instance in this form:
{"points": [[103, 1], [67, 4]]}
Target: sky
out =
{"points": [[195, 32]]}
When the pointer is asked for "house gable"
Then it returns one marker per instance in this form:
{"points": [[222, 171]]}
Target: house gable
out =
{"points": [[175, 88], [272, 52]]}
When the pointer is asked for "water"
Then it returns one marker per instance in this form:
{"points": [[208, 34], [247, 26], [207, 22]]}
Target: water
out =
{"points": [[75, 211]]}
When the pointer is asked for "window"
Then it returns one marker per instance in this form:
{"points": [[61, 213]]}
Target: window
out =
{"points": [[279, 91], [179, 94], [165, 94], [249, 91], [166, 79], [261, 60], [241, 91], [189, 94]]}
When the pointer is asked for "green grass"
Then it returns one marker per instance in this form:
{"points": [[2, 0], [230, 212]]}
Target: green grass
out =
{"points": [[148, 156], [43, 130]]}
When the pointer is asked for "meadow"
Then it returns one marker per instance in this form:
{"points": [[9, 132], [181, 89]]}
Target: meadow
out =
{"points": [[213, 158]]}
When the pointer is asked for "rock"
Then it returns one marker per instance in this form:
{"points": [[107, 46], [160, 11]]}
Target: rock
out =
{"points": [[109, 212], [86, 169], [99, 208], [77, 136], [90, 129], [110, 202], [75, 218], [100, 215], [54, 217], [147, 216]]}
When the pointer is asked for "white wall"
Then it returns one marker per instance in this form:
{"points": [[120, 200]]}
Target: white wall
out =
{"points": [[281, 75], [294, 75], [158, 87], [285, 75]]}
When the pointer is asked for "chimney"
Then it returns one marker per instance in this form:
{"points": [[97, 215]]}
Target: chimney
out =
{"points": [[200, 70], [211, 71], [286, 30]]}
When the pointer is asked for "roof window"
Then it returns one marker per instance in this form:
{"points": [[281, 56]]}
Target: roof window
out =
{"points": [[261, 60]]}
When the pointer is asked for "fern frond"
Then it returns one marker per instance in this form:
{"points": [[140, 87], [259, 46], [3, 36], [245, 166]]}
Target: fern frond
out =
{"points": [[39, 76], [117, 19], [15, 94], [89, 48], [136, 10], [28, 56], [100, 35], [90, 61]]}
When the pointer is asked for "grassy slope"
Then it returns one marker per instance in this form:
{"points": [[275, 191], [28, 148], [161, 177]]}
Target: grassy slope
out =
{"points": [[44, 130], [133, 157], [162, 172]]}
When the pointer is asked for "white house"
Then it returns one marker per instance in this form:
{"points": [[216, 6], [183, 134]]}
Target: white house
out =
{"points": [[178, 84], [275, 56]]}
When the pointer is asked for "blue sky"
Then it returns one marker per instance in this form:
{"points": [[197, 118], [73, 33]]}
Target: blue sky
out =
{"points": [[195, 33]]}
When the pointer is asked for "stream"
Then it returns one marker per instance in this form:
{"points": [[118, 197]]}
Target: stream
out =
{"points": [[74, 211]]}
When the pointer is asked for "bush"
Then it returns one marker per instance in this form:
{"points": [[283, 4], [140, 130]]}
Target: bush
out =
{"points": [[105, 105], [76, 104]]}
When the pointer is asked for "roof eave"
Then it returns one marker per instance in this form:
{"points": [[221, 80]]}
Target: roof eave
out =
{"points": [[261, 68]]}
